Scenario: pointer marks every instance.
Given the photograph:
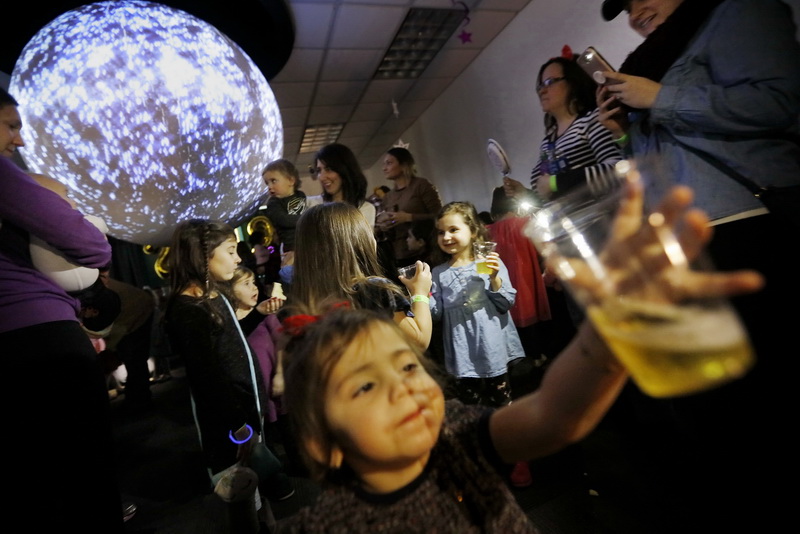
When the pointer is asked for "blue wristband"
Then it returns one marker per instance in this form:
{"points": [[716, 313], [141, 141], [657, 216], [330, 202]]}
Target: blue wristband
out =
{"points": [[245, 440]]}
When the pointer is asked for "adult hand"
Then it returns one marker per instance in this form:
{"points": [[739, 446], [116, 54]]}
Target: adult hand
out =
{"points": [[633, 91], [635, 241], [513, 188], [610, 114], [390, 219]]}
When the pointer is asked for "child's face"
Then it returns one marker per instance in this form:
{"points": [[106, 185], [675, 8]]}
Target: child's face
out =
{"points": [[454, 236], [246, 292], [278, 184], [383, 408], [223, 261], [414, 244]]}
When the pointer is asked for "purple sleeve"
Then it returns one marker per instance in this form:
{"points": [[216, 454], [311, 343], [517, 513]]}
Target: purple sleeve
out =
{"points": [[44, 214]]}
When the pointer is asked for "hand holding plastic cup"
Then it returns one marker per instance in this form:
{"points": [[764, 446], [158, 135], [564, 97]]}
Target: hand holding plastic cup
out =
{"points": [[481, 250], [668, 323], [408, 271]]}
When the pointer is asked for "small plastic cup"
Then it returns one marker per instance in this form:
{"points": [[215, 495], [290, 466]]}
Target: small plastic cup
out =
{"points": [[408, 271], [481, 250]]}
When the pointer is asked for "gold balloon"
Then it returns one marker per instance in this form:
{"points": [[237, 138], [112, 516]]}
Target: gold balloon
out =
{"points": [[262, 223], [160, 266], [161, 263]]}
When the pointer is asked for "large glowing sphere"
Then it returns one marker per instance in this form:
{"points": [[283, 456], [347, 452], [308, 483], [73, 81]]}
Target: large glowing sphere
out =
{"points": [[150, 115]]}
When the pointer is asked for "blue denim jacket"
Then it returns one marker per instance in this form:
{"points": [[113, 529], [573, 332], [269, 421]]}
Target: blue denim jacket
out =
{"points": [[734, 94]]}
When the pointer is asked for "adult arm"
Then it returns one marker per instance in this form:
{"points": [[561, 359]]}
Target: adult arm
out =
{"points": [[599, 175], [592, 154], [430, 199], [425, 193], [585, 379], [753, 69], [46, 215]]}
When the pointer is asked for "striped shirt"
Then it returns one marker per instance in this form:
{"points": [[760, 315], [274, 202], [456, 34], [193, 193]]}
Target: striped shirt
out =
{"points": [[584, 153]]}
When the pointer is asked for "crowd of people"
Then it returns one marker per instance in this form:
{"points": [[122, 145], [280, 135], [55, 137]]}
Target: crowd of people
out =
{"points": [[391, 390]]}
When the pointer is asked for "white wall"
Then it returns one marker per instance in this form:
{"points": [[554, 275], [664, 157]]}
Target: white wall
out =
{"points": [[495, 98]]}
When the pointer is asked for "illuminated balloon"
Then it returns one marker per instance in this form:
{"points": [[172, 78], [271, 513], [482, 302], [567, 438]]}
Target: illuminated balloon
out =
{"points": [[148, 114]]}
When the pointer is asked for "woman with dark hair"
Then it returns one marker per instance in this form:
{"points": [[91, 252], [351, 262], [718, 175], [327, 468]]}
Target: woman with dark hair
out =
{"points": [[576, 149], [413, 199], [342, 180]]}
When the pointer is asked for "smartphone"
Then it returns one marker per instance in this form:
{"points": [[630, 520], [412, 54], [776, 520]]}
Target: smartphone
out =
{"points": [[594, 64]]}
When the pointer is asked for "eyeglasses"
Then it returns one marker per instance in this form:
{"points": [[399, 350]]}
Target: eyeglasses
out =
{"points": [[548, 82]]}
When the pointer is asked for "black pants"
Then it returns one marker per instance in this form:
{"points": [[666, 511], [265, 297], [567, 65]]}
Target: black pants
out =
{"points": [[714, 455], [59, 454]]}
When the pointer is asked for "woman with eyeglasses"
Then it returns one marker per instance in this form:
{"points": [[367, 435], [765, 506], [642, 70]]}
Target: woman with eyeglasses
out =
{"points": [[576, 148]]}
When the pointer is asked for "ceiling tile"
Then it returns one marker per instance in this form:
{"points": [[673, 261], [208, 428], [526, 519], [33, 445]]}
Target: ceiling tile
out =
{"points": [[351, 64], [294, 116], [427, 88], [356, 144], [450, 63], [293, 134], [374, 111], [352, 21], [510, 5], [337, 93], [303, 66], [312, 24], [293, 95], [483, 28], [329, 114], [354, 129], [386, 90], [397, 126]]}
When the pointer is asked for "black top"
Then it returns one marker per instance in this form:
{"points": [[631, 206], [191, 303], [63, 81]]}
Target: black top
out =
{"points": [[283, 213], [218, 371]]}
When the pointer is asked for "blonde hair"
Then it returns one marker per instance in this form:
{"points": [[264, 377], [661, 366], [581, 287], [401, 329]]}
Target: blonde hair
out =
{"points": [[335, 251]]}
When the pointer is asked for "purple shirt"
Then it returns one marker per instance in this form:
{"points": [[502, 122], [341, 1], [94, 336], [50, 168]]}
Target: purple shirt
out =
{"points": [[28, 297]]}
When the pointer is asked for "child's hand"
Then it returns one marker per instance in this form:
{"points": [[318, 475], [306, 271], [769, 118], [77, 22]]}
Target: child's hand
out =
{"points": [[246, 448], [422, 281], [271, 305], [277, 385], [493, 263]]}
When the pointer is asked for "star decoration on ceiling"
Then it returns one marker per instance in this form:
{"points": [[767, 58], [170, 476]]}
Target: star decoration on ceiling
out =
{"points": [[465, 36]]}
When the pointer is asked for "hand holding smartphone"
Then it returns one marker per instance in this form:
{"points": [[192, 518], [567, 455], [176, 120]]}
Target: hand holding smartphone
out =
{"points": [[595, 64]]}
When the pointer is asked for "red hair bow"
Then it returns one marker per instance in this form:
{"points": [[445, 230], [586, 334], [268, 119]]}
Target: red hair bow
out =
{"points": [[566, 52], [295, 325]]}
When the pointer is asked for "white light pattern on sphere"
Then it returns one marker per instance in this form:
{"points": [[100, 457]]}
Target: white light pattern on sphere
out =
{"points": [[148, 114]]}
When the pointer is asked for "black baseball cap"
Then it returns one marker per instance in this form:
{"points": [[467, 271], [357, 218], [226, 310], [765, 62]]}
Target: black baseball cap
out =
{"points": [[612, 8]]}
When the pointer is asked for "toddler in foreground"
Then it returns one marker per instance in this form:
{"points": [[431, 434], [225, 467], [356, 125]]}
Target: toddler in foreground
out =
{"points": [[395, 457]]}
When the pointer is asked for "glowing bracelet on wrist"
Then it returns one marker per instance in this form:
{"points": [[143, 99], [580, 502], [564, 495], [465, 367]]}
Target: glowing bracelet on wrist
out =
{"points": [[553, 186], [621, 140], [420, 298], [245, 440]]}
